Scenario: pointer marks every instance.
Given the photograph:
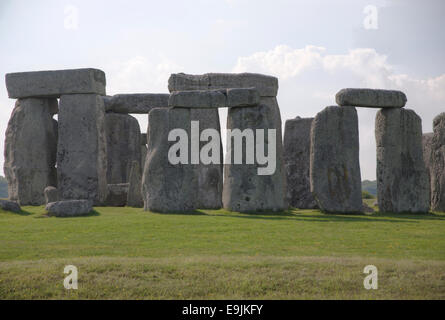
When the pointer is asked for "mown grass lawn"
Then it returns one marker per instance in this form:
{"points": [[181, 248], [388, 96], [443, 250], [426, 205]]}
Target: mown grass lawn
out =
{"points": [[126, 253]]}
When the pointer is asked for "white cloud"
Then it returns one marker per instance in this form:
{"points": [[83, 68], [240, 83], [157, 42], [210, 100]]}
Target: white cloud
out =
{"points": [[310, 77]]}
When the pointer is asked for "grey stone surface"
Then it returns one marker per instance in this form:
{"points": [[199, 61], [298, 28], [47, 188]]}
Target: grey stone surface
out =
{"points": [[69, 208], [135, 103], [123, 146], [143, 149], [51, 194], [198, 99], [10, 206], [371, 98], [53, 84], [82, 148], [167, 187], [30, 150], [402, 178], [244, 190], [117, 195], [143, 139], [210, 176], [297, 151], [267, 86], [334, 164], [242, 97], [220, 98], [438, 164], [134, 198]]}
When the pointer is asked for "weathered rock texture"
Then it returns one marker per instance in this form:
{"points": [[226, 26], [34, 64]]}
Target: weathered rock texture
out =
{"points": [[51, 194], [69, 208], [135, 103], [266, 86], [82, 148], [134, 198], [220, 98], [167, 187], [437, 167], [30, 150], [53, 84], [334, 164], [123, 146], [143, 149], [402, 178], [10, 206], [371, 98], [297, 151], [244, 190], [117, 195], [210, 176]]}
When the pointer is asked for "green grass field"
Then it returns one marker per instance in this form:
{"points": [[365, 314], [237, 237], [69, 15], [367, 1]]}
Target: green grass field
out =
{"points": [[126, 253]]}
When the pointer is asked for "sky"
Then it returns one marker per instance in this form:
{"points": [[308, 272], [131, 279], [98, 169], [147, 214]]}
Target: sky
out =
{"points": [[314, 47]]}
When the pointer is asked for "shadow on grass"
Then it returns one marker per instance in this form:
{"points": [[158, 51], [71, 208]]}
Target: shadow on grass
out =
{"points": [[411, 216], [20, 213], [92, 213]]}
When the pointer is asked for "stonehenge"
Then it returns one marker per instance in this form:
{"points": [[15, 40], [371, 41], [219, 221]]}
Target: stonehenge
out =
{"points": [[95, 153], [134, 197], [69, 208], [30, 150], [370, 98], [402, 178], [167, 187], [82, 148], [334, 160], [123, 136], [297, 150], [435, 162]]}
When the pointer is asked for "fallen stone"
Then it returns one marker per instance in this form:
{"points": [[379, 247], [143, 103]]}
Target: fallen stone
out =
{"points": [[167, 187], [135, 103], [297, 151], [134, 198], [371, 98], [334, 164], [53, 84], [244, 189], [51, 194], [402, 178], [438, 164], [266, 86], [82, 148], [210, 176], [10, 206], [69, 208], [117, 195], [123, 146], [30, 150]]}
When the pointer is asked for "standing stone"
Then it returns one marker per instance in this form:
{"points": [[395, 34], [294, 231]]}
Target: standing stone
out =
{"points": [[427, 139], [143, 149], [167, 187], [210, 176], [82, 148], [123, 146], [134, 198], [297, 151], [140, 103], [30, 150], [244, 189], [402, 178], [51, 194], [334, 164], [438, 164]]}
